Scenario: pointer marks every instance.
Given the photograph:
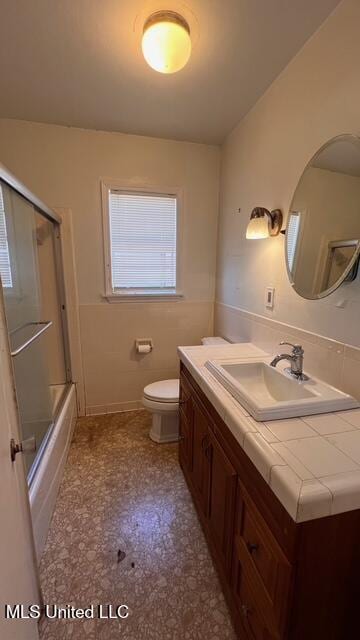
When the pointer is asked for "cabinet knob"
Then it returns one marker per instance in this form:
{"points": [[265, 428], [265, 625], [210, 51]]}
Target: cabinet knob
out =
{"points": [[252, 547], [245, 610]]}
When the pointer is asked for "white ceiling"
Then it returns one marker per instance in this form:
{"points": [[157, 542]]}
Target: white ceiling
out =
{"points": [[79, 62]]}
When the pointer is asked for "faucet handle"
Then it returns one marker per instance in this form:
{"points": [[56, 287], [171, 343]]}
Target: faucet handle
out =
{"points": [[296, 347]]}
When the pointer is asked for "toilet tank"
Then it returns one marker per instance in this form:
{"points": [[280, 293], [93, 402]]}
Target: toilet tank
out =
{"points": [[214, 340]]}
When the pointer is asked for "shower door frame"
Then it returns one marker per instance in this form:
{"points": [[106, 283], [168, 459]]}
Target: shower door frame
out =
{"points": [[10, 180]]}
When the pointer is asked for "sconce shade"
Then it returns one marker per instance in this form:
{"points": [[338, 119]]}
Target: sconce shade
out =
{"points": [[264, 223], [257, 229]]}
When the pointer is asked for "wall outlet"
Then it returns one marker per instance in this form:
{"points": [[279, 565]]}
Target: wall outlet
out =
{"points": [[269, 297]]}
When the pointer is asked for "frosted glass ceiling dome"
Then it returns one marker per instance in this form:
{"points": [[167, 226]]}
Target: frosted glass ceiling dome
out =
{"points": [[166, 42]]}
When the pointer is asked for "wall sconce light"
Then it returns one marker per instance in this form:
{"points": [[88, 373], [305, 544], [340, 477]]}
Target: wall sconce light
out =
{"points": [[264, 223]]}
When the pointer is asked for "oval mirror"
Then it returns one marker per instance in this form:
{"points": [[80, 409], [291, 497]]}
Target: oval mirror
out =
{"points": [[323, 228]]}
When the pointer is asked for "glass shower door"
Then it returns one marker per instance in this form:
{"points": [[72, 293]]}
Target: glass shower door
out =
{"points": [[28, 272]]}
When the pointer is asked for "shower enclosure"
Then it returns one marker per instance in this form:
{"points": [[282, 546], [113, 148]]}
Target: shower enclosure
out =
{"points": [[33, 298]]}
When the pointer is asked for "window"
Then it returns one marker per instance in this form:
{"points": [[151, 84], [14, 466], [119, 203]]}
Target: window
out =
{"points": [[292, 239], [141, 241], [5, 268]]}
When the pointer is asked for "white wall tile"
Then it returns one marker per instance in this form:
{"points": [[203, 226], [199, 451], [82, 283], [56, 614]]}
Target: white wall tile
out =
{"points": [[288, 125], [351, 377], [352, 417], [114, 372], [108, 331], [324, 357]]}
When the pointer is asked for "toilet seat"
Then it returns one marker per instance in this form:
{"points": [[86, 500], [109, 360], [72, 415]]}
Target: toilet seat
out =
{"points": [[165, 391], [160, 407]]}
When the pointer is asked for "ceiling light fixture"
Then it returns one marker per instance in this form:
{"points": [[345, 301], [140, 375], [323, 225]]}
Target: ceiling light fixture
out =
{"points": [[166, 42], [264, 223]]}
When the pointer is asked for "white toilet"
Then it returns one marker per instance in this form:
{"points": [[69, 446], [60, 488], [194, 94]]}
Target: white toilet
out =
{"points": [[162, 399]]}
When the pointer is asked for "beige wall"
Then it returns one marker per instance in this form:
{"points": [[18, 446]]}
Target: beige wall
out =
{"points": [[63, 166], [316, 97]]}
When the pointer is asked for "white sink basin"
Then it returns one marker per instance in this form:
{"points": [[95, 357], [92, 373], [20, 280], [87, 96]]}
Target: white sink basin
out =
{"points": [[271, 394]]}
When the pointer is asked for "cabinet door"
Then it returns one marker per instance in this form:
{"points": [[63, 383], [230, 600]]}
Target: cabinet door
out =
{"points": [[185, 443], [200, 471], [186, 426], [185, 401], [257, 550], [251, 619], [222, 491]]}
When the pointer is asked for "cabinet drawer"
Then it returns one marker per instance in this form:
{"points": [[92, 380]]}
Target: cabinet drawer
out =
{"points": [[261, 554], [253, 622]]}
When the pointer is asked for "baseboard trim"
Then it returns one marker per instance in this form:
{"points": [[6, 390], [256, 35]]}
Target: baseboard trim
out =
{"points": [[119, 407]]}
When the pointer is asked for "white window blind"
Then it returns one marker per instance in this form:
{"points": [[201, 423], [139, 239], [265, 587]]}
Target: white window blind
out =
{"points": [[143, 241], [5, 268], [292, 237]]}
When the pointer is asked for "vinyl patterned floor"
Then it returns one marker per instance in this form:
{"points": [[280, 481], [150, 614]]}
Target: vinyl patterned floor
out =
{"points": [[125, 531]]}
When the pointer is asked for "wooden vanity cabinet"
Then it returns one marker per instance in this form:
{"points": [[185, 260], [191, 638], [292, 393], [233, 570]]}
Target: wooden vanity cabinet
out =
{"points": [[259, 561], [282, 580], [186, 426], [211, 475], [201, 457], [221, 501]]}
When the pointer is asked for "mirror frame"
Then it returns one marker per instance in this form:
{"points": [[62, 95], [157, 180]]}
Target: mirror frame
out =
{"points": [[349, 137]]}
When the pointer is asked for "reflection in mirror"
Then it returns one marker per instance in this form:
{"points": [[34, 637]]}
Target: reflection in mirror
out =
{"points": [[323, 226]]}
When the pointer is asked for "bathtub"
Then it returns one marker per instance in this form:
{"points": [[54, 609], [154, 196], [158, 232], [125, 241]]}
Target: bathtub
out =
{"points": [[46, 482]]}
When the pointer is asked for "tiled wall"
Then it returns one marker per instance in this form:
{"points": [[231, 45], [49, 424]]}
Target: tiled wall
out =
{"points": [[334, 362], [115, 374], [315, 98], [63, 166]]}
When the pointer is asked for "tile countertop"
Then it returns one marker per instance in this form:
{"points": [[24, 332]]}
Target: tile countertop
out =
{"points": [[312, 463]]}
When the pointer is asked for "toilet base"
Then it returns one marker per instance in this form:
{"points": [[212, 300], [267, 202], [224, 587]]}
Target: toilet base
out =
{"points": [[165, 427]]}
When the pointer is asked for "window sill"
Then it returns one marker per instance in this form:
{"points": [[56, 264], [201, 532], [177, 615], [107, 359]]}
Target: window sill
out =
{"points": [[142, 297]]}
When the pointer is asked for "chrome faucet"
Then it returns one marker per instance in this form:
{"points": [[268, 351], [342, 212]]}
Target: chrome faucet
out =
{"points": [[296, 359]]}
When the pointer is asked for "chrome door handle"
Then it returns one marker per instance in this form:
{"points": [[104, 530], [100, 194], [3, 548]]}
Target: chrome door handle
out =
{"points": [[25, 446]]}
